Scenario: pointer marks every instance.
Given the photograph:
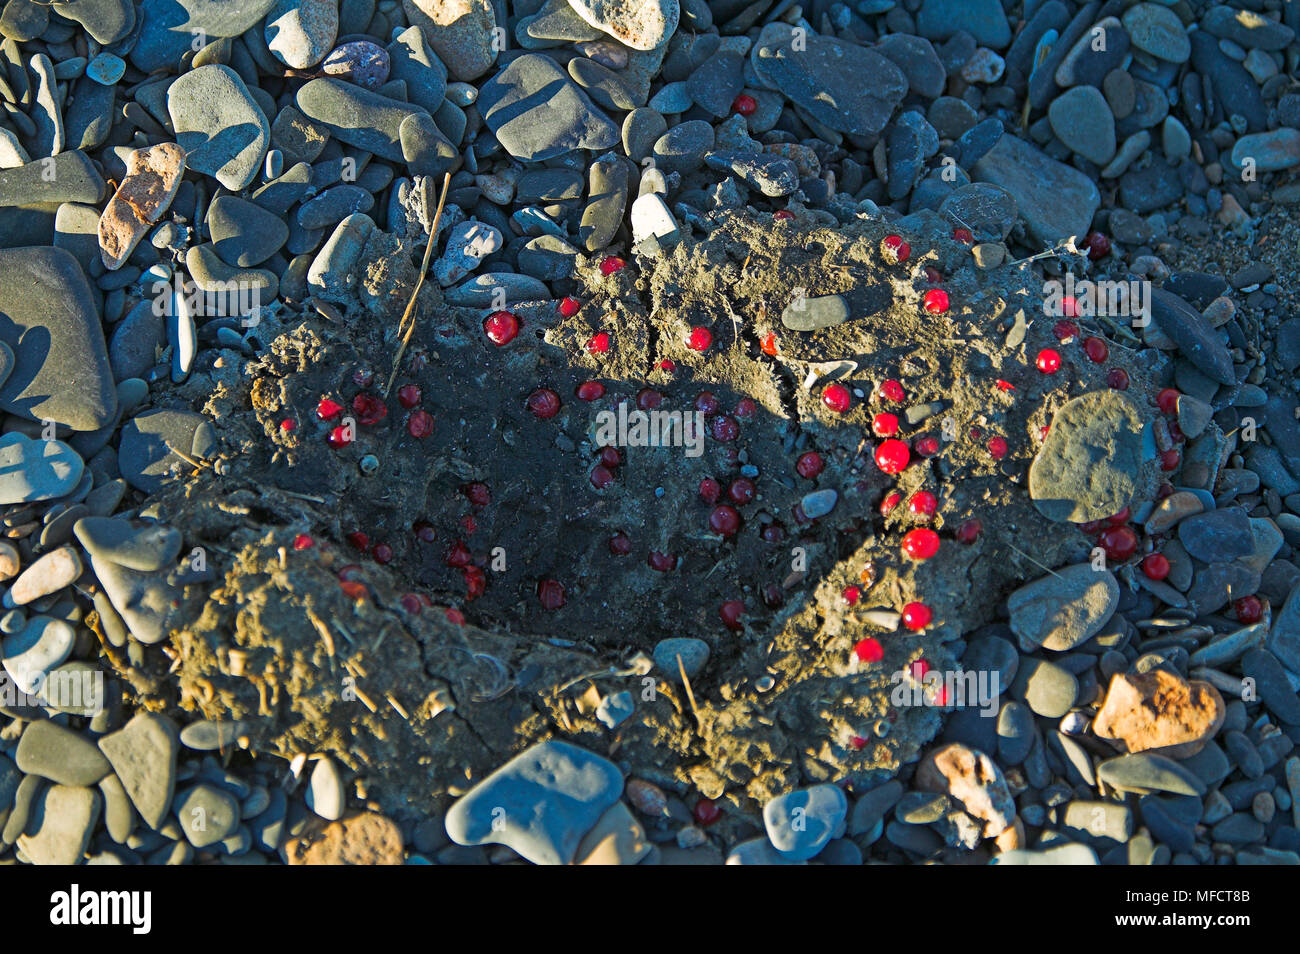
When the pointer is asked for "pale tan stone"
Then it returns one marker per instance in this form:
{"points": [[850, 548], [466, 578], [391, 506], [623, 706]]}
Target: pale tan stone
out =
{"points": [[972, 778], [1159, 710], [367, 838], [152, 177]]}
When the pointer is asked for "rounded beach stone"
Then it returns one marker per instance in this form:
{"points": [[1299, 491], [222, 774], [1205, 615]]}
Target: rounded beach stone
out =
{"points": [[1089, 466]]}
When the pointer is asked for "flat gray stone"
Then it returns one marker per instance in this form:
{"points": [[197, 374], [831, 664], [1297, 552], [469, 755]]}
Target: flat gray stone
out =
{"points": [[694, 655], [540, 803], [49, 318], [1217, 536], [60, 755], [1056, 201], [207, 814], [243, 233], [357, 116], [1199, 342], [147, 452], [143, 754], [1089, 465], [537, 112], [36, 470], [219, 124], [1144, 772], [801, 823], [1063, 609], [60, 825]]}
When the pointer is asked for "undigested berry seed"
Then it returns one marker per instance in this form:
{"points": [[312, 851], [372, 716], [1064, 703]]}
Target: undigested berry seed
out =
{"points": [[601, 477], [663, 562], [850, 595], [340, 437], [303, 541], [610, 457], [620, 544], [893, 456], [744, 104], [700, 339], [1249, 610], [369, 409], [884, 424], [1117, 379], [501, 327], [724, 428], [544, 403], [590, 391], [1096, 350], [1170, 459], [892, 500], [710, 490], [969, 531], [647, 399], [926, 445], [837, 398], [809, 465], [730, 613], [419, 424]]}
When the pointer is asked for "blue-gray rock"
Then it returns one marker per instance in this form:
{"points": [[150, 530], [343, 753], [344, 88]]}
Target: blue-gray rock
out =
{"points": [[1015, 733], [143, 755], [1249, 29], [1144, 772], [540, 803], [168, 27], [1234, 88], [1156, 30], [243, 233], [414, 63], [147, 453], [36, 470], [219, 124], [51, 323], [1272, 685], [1047, 688], [1196, 338], [814, 314], [1082, 121], [537, 112], [818, 503], [60, 755], [1218, 536], [206, 813], [357, 116], [985, 20], [694, 654], [801, 823], [841, 85], [915, 56], [1064, 608], [62, 819], [1055, 200]]}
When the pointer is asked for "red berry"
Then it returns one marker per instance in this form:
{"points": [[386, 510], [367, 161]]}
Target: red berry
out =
{"points": [[724, 428], [892, 390], [408, 395], [419, 424], [1120, 543], [745, 408], [1049, 361], [919, 669], [501, 327], [590, 391], [1065, 331], [837, 398], [742, 490], [921, 543], [663, 562], [1249, 610], [773, 533], [424, 531], [569, 307], [781, 215], [997, 447], [340, 437], [303, 541], [963, 236], [969, 531], [544, 403], [601, 478], [858, 743], [935, 301], [892, 500], [917, 616], [724, 520], [769, 344], [328, 409], [933, 275], [706, 812], [895, 250], [744, 104], [1096, 349], [1117, 379], [455, 616], [475, 582], [706, 402], [850, 595], [923, 504], [647, 399], [699, 339], [730, 612], [411, 603], [927, 445], [611, 264], [1098, 245], [1167, 400], [1070, 307], [382, 553], [1170, 459], [363, 377], [610, 457], [710, 489], [869, 650], [458, 555], [809, 465], [667, 364], [893, 456], [358, 540], [369, 409], [354, 590], [1155, 566], [1005, 385], [884, 424], [477, 493], [288, 425], [551, 594], [1119, 519], [620, 544], [598, 343]]}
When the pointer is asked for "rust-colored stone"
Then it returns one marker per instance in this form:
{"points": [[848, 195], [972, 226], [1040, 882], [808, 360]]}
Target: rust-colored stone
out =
{"points": [[152, 177], [1159, 710], [364, 839]]}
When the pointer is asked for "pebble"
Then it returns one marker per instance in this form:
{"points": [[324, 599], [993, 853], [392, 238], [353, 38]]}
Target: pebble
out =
{"points": [[1082, 120], [29, 654], [1048, 689], [356, 116], [32, 470], [818, 503], [143, 755], [1148, 772], [1217, 536], [63, 817], [1272, 685], [207, 814], [694, 655], [367, 838], [326, 795], [1089, 465], [1156, 30], [219, 125], [300, 33], [532, 127], [1063, 609], [145, 454], [1270, 151], [152, 177], [48, 574], [60, 755], [1160, 710], [461, 32], [1055, 200], [540, 803], [972, 778], [801, 823], [639, 24], [982, 19]]}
